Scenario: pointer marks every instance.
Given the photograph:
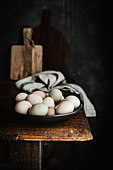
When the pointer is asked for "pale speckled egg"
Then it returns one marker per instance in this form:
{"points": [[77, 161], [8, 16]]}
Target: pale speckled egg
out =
{"points": [[22, 107], [49, 102], [39, 109], [41, 93], [73, 99], [56, 94], [65, 107], [34, 98], [21, 96], [51, 111]]}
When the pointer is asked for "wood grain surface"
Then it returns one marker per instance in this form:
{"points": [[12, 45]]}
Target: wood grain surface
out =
{"points": [[73, 129], [25, 59]]}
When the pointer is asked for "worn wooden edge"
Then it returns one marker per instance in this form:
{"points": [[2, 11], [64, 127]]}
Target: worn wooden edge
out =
{"points": [[39, 138], [58, 132], [26, 137], [44, 138]]}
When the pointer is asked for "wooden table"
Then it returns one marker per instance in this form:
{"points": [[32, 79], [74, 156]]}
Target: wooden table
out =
{"points": [[23, 138]]}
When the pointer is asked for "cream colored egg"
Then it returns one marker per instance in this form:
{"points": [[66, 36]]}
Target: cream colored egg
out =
{"points": [[39, 109], [21, 96], [41, 93], [73, 99], [22, 107], [34, 98], [61, 101], [56, 94], [51, 111], [65, 107], [49, 102]]}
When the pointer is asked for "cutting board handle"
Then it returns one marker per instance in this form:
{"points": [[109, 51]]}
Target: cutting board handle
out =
{"points": [[46, 17], [27, 35]]}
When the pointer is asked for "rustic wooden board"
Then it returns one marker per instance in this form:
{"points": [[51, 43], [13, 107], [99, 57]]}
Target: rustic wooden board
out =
{"points": [[25, 59], [55, 46], [73, 129]]}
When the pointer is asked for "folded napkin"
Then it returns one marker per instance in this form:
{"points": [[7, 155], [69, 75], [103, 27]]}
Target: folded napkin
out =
{"points": [[50, 79]]}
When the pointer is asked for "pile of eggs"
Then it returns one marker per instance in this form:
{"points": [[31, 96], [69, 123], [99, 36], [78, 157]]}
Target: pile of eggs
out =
{"points": [[39, 103]]}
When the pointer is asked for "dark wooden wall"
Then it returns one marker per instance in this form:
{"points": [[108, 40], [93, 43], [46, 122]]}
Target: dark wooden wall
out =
{"points": [[86, 26]]}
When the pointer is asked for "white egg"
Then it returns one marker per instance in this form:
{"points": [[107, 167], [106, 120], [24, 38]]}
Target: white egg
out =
{"points": [[34, 98], [22, 107], [21, 96], [49, 102], [56, 94], [38, 109], [73, 99], [65, 107]]}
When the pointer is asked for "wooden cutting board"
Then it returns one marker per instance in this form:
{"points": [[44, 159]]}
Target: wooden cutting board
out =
{"points": [[25, 59], [55, 46]]}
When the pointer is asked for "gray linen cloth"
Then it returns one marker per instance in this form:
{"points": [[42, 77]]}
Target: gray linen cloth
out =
{"points": [[50, 79]]}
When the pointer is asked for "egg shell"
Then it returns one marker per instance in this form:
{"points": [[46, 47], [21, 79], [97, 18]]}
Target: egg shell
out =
{"points": [[40, 93], [73, 99], [62, 97], [22, 107], [56, 106], [21, 96], [56, 94], [51, 111], [61, 101], [39, 109], [49, 102], [34, 98], [47, 94], [65, 107]]}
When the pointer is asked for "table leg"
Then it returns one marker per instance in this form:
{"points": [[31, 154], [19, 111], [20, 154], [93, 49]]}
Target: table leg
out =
{"points": [[40, 156], [29, 154], [25, 155]]}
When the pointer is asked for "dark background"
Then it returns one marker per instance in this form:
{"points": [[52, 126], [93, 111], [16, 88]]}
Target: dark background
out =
{"points": [[86, 26]]}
